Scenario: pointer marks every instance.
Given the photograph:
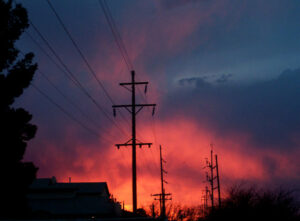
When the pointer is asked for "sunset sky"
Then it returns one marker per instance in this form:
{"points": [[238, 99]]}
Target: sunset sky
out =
{"points": [[225, 72]]}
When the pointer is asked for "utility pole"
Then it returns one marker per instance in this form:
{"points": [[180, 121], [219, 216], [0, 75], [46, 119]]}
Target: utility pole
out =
{"points": [[211, 178], [162, 196], [205, 200], [218, 181], [206, 197], [133, 108], [153, 210]]}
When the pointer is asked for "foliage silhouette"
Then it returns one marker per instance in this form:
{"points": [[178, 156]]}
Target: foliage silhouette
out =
{"points": [[251, 204], [16, 130], [242, 204]]}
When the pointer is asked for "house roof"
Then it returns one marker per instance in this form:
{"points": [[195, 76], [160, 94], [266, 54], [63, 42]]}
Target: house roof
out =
{"points": [[51, 185]]}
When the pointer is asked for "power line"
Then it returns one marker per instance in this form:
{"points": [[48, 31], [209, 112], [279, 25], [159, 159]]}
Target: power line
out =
{"points": [[116, 34], [118, 39], [74, 79], [120, 44], [73, 103], [56, 88], [65, 74], [79, 51], [51, 59], [63, 110]]}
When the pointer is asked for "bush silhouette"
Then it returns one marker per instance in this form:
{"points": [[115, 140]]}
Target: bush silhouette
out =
{"points": [[250, 204]]}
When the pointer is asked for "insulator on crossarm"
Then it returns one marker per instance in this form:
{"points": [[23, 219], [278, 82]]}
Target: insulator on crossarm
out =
{"points": [[146, 87], [115, 114], [153, 111]]}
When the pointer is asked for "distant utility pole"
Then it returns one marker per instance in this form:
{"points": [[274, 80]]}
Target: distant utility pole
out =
{"points": [[153, 210], [133, 108], [162, 196], [211, 178], [218, 180], [205, 200]]}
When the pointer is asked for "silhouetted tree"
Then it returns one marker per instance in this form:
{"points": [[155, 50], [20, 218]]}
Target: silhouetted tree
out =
{"points": [[179, 212], [16, 73], [141, 212], [249, 204]]}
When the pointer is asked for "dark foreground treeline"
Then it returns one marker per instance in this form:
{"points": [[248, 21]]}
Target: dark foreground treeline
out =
{"points": [[252, 204], [244, 204]]}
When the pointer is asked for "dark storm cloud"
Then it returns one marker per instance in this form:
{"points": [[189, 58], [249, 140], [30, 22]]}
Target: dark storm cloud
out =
{"points": [[268, 110]]}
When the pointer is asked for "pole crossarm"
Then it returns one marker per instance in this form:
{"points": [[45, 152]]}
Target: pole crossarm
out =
{"points": [[130, 144], [133, 84], [130, 83], [139, 106], [159, 194]]}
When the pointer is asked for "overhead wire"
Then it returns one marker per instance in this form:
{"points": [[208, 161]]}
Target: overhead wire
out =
{"points": [[91, 131], [72, 103], [116, 34], [73, 78], [50, 58], [79, 51], [56, 88], [60, 91], [91, 70], [118, 39]]}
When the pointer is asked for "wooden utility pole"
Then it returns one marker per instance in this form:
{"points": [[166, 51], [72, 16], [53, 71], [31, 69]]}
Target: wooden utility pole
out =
{"points": [[153, 210], [218, 181], [205, 200], [133, 108], [206, 197], [162, 196], [211, 178]]}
